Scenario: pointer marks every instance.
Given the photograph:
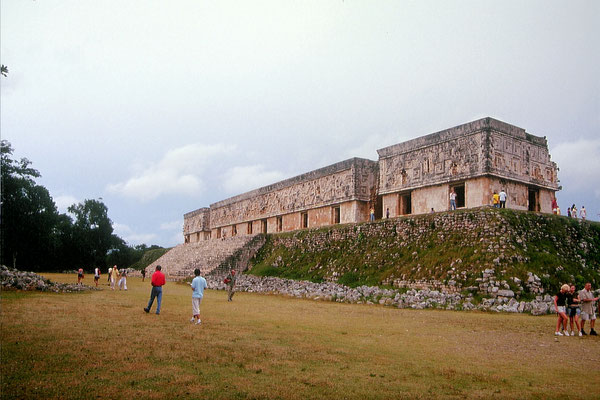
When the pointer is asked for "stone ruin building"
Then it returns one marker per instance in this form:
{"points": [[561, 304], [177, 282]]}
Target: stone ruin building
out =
{"points": [[475, 160]]}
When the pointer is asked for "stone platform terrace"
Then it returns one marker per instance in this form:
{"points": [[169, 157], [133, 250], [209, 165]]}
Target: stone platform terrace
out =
{"points": [[180, 262]]}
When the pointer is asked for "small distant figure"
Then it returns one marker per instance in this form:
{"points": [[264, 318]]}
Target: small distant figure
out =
{"points": [[230, 281], [79, 276], [574, 211], [158, 281], [432, 210], [109, 275], [452, 199], [496, 200], [387, 213], [143, 274], [560, 307], [569, 212], [114, 274], [198, 285], [123, 281], [583, 213], [557, 210], [502, 198], [554, 206], [372, 214], [96, 275], [588, 312]]}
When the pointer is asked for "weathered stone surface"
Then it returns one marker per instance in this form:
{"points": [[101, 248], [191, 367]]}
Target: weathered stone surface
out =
{"points": [[180, 262], [413, 177], [416, 299], [11, 278]]}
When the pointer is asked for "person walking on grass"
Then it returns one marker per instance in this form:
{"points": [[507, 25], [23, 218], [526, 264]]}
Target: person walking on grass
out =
{"points": [[114, 274], [588, 312], [230, 281], [198, 285], [573, 310], [96, 275], [143, 274], [559, 307], [123, 281], [79, 276], [158, 280]]}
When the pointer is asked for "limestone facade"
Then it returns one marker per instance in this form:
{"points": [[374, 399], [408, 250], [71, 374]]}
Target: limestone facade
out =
{"points": [[475, 159], [413, 177]]}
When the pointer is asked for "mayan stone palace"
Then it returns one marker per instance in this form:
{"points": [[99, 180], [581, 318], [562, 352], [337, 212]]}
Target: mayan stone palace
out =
{"points": [[473, 160]]}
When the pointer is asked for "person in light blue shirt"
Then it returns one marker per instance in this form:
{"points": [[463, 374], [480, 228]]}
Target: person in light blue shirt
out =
{"points": [[198, 285]]}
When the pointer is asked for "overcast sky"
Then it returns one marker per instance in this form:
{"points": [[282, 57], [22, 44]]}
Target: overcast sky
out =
{"points": [[163, 107]]}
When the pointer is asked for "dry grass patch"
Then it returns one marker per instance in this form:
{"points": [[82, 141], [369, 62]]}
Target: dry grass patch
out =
{"points": [[101, 344]]}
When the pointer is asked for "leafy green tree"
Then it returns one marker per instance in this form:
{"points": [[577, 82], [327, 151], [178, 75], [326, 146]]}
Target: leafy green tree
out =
{"points": [[92, 232], [35, 236], [28, 214]]}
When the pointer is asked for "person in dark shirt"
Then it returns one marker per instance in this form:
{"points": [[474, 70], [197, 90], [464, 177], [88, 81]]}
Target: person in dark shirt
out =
{"points": [[560, 302], [573, 310], [230, 282]]}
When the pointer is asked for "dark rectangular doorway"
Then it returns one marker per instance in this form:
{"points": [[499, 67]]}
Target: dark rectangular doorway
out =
{"points": [[534, 199], [405, 205], [460, 195]]}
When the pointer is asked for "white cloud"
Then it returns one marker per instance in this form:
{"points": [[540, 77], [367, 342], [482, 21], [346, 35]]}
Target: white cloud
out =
{"points": [[133, 238], [171, 226], [242, 179], [179, 173], [371, 143], [65, 201], [579, 163]]}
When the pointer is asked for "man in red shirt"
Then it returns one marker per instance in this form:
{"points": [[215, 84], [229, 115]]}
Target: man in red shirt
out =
{"points": [[158, 280]]}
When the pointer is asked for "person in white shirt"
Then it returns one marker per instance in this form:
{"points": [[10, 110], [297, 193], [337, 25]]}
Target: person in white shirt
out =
{"points": [[123, 281], [502, 196], [452, 199], [114, 273], [96, 275], [583, 213]]}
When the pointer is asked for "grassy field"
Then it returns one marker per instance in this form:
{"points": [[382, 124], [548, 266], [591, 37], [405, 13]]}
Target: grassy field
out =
{"points": [[102, 345]]}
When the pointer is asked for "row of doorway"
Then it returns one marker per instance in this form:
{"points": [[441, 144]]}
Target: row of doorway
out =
{"points": [[405, 207]]}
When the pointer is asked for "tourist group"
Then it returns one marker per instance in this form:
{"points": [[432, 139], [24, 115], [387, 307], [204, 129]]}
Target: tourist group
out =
{"points": [[574, 309]]}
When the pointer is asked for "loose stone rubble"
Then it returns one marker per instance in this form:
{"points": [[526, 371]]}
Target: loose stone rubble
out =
{"points": [[11, 278], [411, 298]]}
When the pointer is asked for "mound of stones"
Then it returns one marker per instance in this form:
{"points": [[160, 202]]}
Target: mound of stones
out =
{"points": [[412, 298], [11, 278]]}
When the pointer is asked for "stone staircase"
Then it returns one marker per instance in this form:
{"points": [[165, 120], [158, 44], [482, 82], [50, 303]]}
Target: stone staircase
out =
{"points": [[208, 255], [239, 259]]}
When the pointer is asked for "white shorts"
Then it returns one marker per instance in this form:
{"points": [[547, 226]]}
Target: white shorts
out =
{"points": [[561, 309], [586, 317], [196, 306]]}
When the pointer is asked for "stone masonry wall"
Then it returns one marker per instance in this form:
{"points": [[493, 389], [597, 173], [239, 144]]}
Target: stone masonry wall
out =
{"points": [[196, 221], [454, 159], [495, 252], [524, 160], [342, 182], [483, 147]]}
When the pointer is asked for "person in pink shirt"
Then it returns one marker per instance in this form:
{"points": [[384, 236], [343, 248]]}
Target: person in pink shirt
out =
{"points": [[158, 280]]}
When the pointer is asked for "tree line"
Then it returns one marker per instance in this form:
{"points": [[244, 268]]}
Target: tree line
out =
{"points": [[35, 236]]}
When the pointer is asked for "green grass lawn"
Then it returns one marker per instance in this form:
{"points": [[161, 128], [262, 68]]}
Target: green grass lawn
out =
{"points": [[102, 345]]}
